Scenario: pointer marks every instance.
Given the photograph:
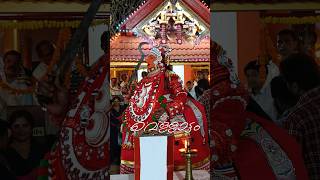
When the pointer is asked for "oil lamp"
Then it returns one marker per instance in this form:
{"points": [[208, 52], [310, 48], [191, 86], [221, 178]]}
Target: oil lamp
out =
{"points": [[188, 153]]}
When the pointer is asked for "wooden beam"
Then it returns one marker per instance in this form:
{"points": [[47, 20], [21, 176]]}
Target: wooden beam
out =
{"points": [[36, 7], [264, 6]]}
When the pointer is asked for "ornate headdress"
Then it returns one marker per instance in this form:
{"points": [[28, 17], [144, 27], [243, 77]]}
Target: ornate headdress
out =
{"points": [[226, 95], [222, 66], [161, 54]]}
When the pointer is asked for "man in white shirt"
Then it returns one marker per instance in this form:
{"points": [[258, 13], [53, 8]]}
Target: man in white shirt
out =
{"points": [[45, 50], [124, 80], [13, 76], [115, 89], [261, 91]]}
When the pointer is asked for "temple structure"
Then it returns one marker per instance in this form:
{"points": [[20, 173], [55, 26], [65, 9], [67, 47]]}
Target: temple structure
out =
{"points": [[182, 25]]}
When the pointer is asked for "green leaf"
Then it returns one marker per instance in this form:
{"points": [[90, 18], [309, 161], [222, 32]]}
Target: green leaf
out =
{"points": [[161, 98], [154, 118], [163, 106]]}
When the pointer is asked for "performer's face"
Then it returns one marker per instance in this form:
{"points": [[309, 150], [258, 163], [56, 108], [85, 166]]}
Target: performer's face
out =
{"points": [[150, 61]]}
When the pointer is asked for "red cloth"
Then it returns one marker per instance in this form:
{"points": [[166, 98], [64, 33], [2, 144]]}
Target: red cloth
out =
{"points": [[250, 160], [177, 105], [228, 114], [62, 164]]}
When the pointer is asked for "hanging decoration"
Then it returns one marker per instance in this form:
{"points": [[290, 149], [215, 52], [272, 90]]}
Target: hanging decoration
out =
{"points": [[172, 23], [44, 24], [291, 20]]}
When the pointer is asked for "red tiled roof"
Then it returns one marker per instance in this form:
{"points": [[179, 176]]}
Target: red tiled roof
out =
{"points": [[125, 49]]}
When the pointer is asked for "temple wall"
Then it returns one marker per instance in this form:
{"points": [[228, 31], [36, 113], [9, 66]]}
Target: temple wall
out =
{"points": [[95, 50], [224, 32], [248, 29]]}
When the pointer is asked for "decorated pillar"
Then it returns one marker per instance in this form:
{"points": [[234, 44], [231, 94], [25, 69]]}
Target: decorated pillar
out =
{"points": [[163, 21]]}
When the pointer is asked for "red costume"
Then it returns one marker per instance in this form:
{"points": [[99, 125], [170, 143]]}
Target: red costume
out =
{"points": [[82, 149], [244, 145], [162, 90]]}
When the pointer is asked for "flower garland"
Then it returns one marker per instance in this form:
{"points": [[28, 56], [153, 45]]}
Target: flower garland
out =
{"points": [[80, 68], [291, 20], [43, 24]]}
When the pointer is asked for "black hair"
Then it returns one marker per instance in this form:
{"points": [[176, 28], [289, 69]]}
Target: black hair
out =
{"points": [[12, 53], [279, 90], [21, 114], [202, 86], [188, 82], [289, 32], [302, 69], [4, 126], [252, 65], [116, 97], [203, 83], [47, 43], [105, 41]]}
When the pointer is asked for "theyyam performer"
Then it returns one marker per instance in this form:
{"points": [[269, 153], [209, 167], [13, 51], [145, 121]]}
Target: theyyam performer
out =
{"points": [[82, 149], [244, 145], [160, 105]]}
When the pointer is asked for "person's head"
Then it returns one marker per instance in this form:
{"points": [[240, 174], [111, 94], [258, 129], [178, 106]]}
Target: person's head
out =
{"points": [[45, 50], [116, 101], [12, 63], [4, 134], [200, 75], [301, 73], [144, 74], [124, 77], [202, 86], [205, 74], [105, 41], [189, 85], [114, 82], [283, 99], [287, 42], [251, 71], [21, 124], [155, 59]]}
